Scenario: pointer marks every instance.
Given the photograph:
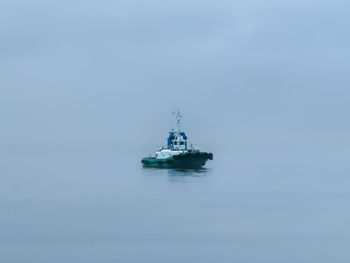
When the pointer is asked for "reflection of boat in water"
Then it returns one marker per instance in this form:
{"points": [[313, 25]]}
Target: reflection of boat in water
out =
{"points": [[177, 154]]}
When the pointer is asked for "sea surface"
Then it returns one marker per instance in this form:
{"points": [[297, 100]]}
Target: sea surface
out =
{"points": [[74, 204]]}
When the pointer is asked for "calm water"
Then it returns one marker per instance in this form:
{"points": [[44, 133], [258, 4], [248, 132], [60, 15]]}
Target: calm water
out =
{"points": [[64, 204]]}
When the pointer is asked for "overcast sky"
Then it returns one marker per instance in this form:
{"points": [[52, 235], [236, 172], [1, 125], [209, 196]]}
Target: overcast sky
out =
{"points": [[112, 71]]}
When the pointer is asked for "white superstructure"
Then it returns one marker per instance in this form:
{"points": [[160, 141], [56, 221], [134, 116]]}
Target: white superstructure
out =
{"points": [[166, 153], [177, 141]]}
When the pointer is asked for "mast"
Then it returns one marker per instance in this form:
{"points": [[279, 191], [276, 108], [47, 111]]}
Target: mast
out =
{"points": [[178, 118]]}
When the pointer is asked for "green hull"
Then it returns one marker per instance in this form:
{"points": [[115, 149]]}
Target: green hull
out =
{"points": [[185, 160]]}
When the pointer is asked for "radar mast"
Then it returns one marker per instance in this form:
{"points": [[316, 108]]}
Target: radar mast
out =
{"points": [[178, 118]]}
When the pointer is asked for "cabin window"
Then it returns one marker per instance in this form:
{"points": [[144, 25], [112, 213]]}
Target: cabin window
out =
{"points": [[181, 143], [175, 143]]}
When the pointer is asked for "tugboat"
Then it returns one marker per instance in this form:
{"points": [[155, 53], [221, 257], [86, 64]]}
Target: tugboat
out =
{"points": [[177, 154]]}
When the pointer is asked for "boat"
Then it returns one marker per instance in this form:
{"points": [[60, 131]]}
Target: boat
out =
{"points": [[177, 154]]}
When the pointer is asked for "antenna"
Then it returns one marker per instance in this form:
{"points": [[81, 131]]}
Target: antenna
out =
{"points": [[178, 118]]}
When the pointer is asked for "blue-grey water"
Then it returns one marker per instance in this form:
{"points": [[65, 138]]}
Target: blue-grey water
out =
{"points": [[95, 203]]}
